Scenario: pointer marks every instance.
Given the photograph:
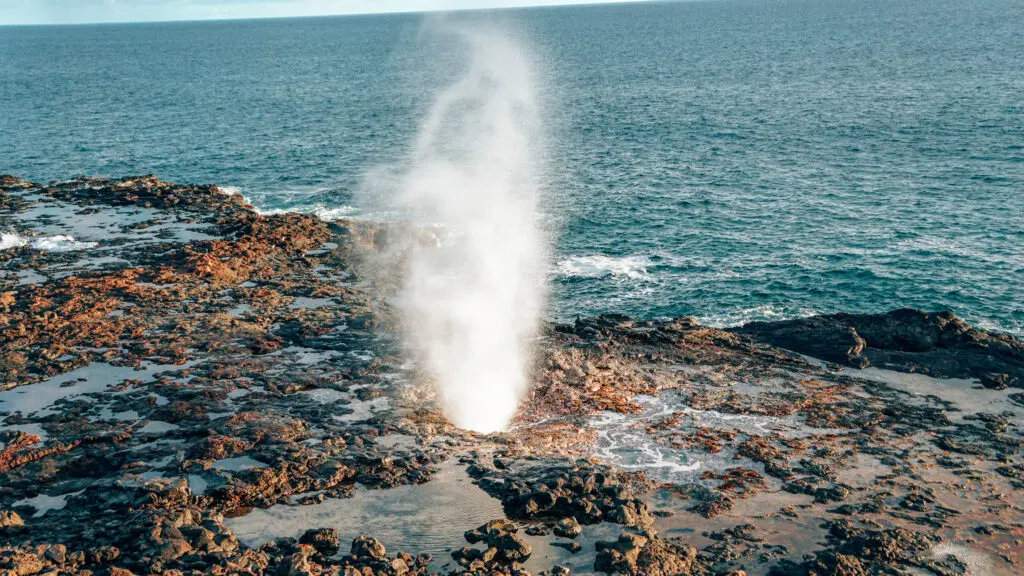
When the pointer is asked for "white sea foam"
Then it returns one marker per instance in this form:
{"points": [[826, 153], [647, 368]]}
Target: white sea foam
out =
{"points": [[59, 243], [597, 266], [623, 439], [1016, 329], [11, 240], [322, 211], [764, 313]]}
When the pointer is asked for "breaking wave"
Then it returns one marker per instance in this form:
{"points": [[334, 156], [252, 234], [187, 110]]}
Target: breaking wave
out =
{"points": [[57, 243], [597, 266], [764, 313]]}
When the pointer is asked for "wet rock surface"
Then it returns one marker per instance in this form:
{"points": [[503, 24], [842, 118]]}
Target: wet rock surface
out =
{"points": [[184, 361]]}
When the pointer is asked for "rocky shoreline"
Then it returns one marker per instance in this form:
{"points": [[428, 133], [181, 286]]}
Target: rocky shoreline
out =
{"points": [[188, 386]]}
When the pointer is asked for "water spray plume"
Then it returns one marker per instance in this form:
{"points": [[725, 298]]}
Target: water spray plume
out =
{"points": [[471, 304]]}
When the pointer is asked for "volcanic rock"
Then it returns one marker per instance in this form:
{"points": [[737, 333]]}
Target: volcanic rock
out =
{"points": [[367, 546]]}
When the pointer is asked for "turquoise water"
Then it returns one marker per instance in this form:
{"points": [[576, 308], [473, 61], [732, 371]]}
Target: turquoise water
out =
{"points": [[732, 160]]}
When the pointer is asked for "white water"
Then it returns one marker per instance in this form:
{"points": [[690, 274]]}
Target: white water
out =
{"points": [[597, 266], [59, 243], [471, 301]]}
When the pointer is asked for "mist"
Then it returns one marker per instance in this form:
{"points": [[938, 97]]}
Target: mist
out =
{"points": [[470, 303]]}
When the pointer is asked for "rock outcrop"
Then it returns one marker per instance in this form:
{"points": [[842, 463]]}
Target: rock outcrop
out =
{"points": [[938, 344]]}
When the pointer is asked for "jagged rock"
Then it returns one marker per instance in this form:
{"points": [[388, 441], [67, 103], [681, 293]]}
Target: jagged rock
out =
{"points": [[937, 343], [995, 381], [106, 554], [660, 558], [587, 492], [298, 563], [173, 549], [9, 519], [512, 547], [57, 553], [640, 555], [490, 530], [838, 565], [398, 567], [466, 554], [20, 563], [323, 540], [367, 546], [619, 557], [568, 528], [502, 537]]}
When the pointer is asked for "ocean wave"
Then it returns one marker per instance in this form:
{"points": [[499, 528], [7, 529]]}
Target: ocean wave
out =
{"points": [[597, 266], [763, 313], [1014, 329], [61, 244], [58, 243], [326, 213], [232, 190], [11, 241]]}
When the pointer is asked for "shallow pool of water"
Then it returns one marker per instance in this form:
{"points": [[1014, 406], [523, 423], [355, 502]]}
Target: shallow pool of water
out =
{"points": [[430, 517]]}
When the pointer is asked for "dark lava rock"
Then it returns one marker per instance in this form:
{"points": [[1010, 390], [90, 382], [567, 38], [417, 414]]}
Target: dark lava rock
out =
{"points": [[635, 555], [466, 555], [568, 528], [619, 557], [323, 540], [537, 531], [366, 546], [937, 343], [398, 566], [502, 537], [587, 492], [512, 547], [995, 381], [859, 552]]}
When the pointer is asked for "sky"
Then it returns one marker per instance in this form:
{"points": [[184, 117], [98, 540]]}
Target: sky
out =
{"points": [[90, 11]]}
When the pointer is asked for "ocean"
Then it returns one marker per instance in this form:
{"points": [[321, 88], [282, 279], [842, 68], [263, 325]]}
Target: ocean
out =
{"points": [[730, 160]]}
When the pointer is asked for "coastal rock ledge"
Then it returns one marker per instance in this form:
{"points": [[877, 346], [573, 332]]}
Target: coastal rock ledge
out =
{"points": [[188, 386], [938, 344]]}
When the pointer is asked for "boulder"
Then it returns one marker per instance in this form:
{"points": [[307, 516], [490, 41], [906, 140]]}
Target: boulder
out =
{"points": [[512, 547], [619, 557], [323, 540], [10, 519], [368, 547], [568, 528], [20, 563], [502, 539], [994, 381]]}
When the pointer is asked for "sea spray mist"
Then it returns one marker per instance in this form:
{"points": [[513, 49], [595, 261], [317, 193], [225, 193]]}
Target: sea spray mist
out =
{"points": [[470, 302]]}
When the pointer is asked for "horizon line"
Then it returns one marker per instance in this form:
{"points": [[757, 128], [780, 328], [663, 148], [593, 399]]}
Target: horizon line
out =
{"points": [[396, 12]]}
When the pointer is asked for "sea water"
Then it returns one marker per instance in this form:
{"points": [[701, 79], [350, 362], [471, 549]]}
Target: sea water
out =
{"points": [[732, 160]]}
